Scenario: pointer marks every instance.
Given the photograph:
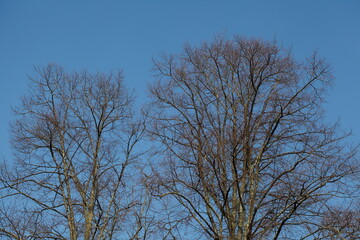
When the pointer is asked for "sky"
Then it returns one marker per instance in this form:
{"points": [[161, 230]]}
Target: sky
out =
{"points": [[127, 34]]}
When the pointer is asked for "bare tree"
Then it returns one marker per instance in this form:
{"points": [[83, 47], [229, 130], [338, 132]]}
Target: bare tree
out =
{"points": [[244, 151], [74, 141]]}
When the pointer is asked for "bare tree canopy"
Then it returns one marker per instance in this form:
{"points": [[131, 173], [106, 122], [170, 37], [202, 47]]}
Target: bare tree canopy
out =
{"points": [[74, 141], [240, 150], [245, 152]]}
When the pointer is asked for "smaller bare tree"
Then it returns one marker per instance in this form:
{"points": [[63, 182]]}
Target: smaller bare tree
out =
{"points": [[74, 141]]}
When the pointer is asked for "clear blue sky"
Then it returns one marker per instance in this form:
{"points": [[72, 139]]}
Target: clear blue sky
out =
{"points": [[125, 34]]}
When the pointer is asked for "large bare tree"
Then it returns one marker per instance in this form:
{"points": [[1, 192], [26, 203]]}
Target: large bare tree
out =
{"points": [[244, 150], [74, 140]]}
